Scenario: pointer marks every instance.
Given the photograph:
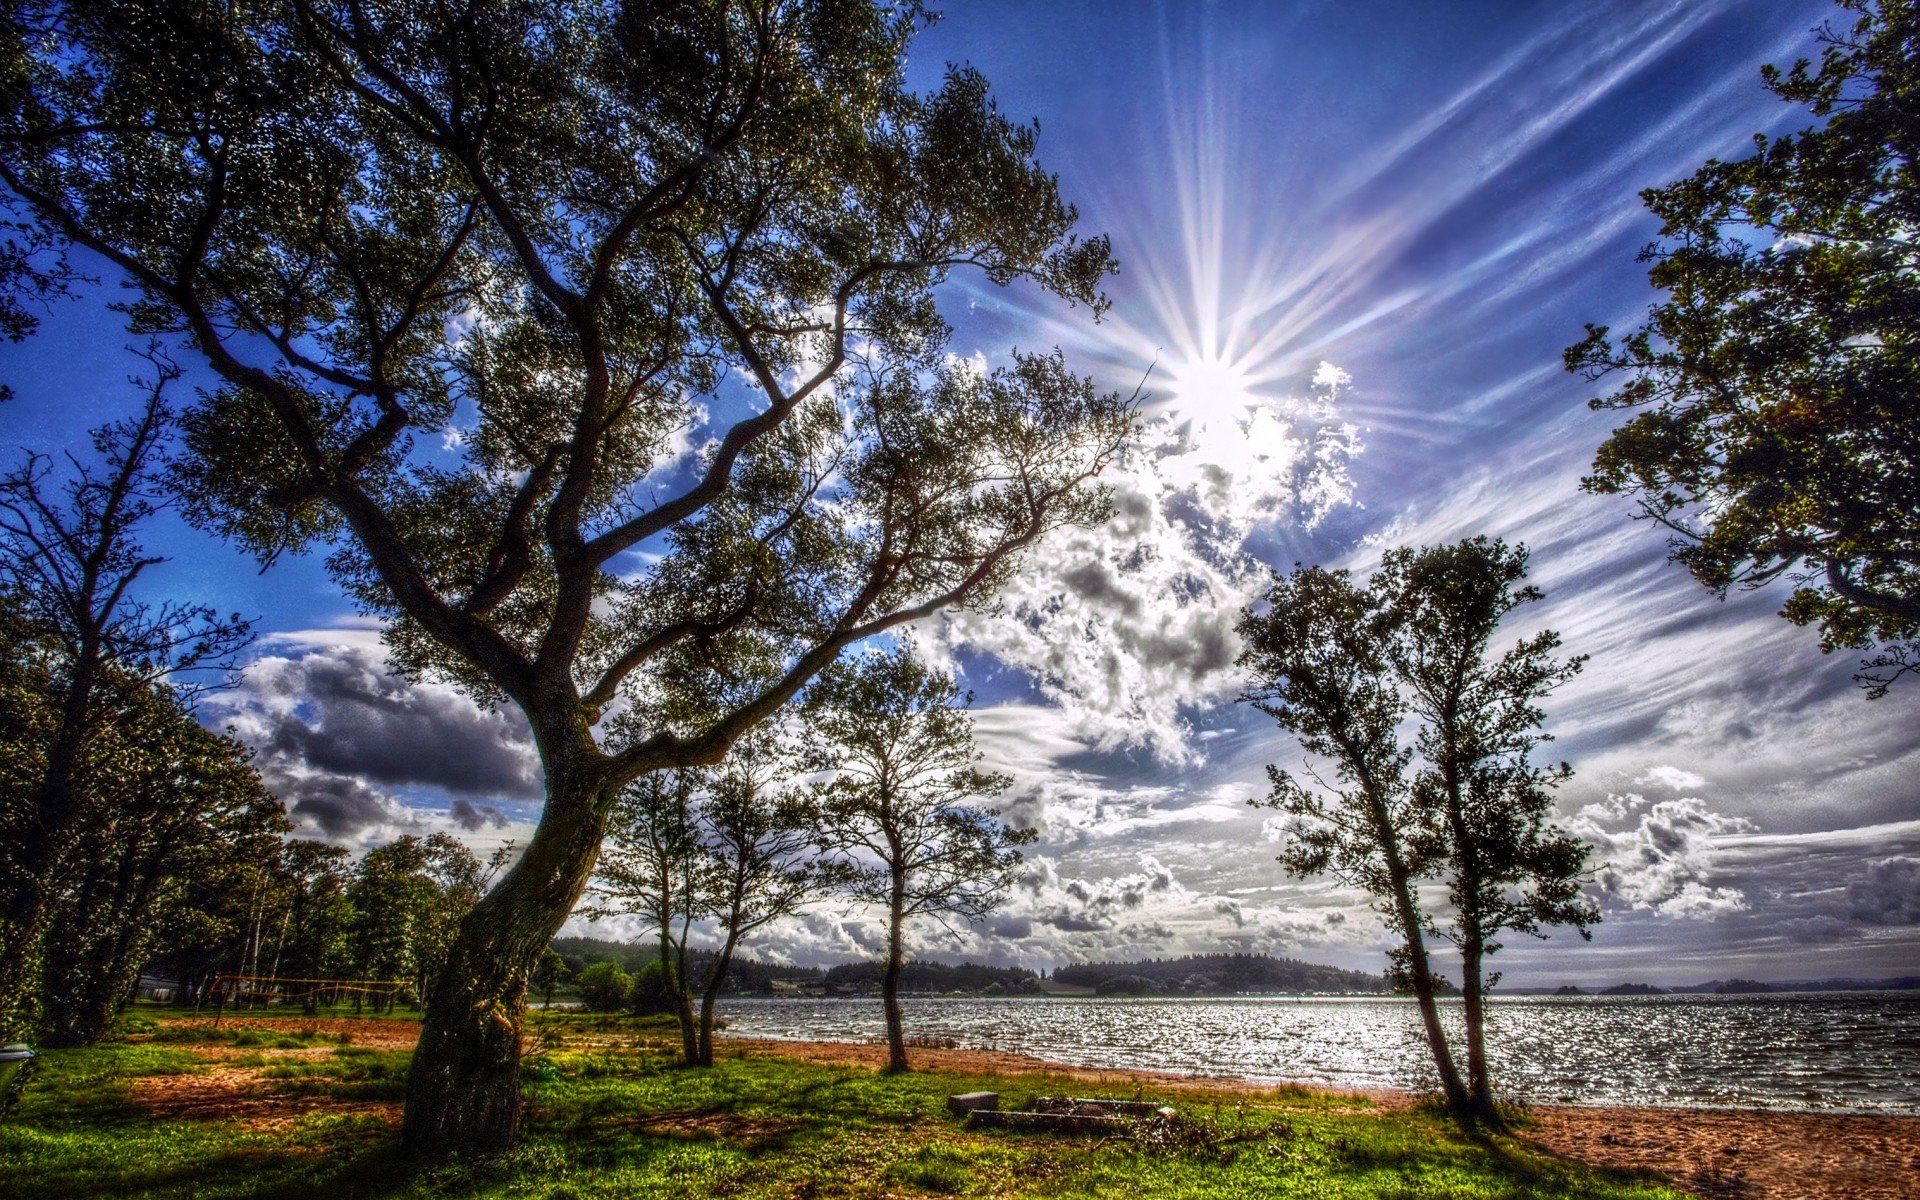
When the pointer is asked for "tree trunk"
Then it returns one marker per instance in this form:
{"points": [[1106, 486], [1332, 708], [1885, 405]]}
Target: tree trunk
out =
{"points": [[711, 995], [463, 1091], [1474, 996], [890, 977], [1417, 964]]}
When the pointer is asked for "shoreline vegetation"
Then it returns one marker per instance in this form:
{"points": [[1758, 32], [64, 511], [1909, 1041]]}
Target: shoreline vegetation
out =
{"points": [[295, 1107]]}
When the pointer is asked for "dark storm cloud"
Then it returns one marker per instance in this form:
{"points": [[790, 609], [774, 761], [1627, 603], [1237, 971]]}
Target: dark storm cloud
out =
{"points": [[341, 808], [356, 719], [475, 817], [1888, 895]]}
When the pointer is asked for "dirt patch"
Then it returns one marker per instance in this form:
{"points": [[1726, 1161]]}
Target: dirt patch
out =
{"points": [[702, 1125], [239, 1094], [380, 1034], [1744, 1155]]}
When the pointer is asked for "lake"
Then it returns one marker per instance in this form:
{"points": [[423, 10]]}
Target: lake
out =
{"points": [[1826, 1051]]}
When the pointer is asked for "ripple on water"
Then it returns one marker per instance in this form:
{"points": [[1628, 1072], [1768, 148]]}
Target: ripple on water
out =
{"points": [[1833, 1051]]}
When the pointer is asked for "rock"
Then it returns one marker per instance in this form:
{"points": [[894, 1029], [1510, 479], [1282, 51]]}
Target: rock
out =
{"points": [[968, 1102]]}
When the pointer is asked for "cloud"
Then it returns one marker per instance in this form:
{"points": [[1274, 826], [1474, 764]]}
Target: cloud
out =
{"points": [[339, 709], [1888, 895], [350, 748], [1661, 862], [475, 817], [1673, 778], [1128, 626]]}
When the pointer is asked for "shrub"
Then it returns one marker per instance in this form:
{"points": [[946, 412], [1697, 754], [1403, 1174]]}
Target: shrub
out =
{"points": [[604, 987]]}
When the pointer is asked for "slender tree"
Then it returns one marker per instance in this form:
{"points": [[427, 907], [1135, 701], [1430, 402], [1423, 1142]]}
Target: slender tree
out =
{"points": [[1508, 868], [1320, 659], [758, 828], [902, 808], [655, 867], [72, 563], [550, 974], [1775, 429], [474, 276]]}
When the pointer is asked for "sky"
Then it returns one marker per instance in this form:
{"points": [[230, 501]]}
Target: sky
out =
{"points": [[1354, 239]]}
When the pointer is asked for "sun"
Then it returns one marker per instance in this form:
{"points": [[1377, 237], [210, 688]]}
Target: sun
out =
{"points": [[1210, 382]]}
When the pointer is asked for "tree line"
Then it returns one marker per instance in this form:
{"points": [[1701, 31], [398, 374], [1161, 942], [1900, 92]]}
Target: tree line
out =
{"points": [[573, 233]]}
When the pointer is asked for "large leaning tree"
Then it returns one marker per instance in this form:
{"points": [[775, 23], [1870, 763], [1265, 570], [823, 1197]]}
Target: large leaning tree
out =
{"points": [[1776, 390], [596, 343]]}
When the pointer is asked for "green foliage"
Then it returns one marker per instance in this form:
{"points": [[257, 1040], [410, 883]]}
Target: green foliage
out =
{"points": [[732, 843], [624, 1125], [472, 277], [1778, 434], [113, 799], [1225, 974], [898, 738], [1345, 667], [604, 987], [901, 811]]}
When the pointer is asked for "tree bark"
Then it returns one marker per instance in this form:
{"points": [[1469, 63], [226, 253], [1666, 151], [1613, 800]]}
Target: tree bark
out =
{"points": [[1417, 964], [463, 1091], [711, 996], [890, 977], [1473, 994]]}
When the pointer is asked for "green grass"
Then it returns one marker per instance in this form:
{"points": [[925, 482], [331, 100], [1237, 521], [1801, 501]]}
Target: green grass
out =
{"points": [[628, 1123]]}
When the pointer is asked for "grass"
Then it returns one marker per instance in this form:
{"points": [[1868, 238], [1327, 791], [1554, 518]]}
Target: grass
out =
{"points": [[610, 1115]]}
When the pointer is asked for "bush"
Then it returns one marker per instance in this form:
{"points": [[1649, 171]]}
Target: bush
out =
{"points": [[604, 987]]}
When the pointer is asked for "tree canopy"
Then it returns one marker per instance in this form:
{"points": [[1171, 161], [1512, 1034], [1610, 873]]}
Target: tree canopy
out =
{"points": [[1776, 429], [595, 343]]}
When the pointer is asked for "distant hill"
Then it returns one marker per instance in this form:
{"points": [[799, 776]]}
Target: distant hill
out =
{"points": [[1216, 975], [864, 977], [1633, 989], [743, 974]]}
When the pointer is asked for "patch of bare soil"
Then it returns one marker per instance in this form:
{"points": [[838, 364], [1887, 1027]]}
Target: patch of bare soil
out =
{"points": [[378, 1033], [1744, 1155], [704, 1124], [239, 1094]]}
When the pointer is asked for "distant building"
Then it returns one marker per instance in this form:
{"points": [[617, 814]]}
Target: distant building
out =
{"points": [[157, 988]]}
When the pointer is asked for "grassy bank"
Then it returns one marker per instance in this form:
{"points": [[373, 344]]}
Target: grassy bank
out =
{"points": [[293, 1111]]}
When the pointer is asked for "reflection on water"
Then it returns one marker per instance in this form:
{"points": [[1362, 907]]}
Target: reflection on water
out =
{"points": [[1832, 1050]]}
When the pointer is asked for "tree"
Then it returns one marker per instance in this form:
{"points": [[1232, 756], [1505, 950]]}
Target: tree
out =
{"points": [[172, 808], [409, 897], [655, 867], [604, 987], [471, 275], [549, 974], [1321, 663], [1345, 667], [1507, 867], [901, 808], [71, 563], [1778, 433], [758, 829]]}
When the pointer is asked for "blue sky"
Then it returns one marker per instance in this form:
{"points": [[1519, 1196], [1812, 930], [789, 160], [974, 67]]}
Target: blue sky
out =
{"points": [[1354, 239]]}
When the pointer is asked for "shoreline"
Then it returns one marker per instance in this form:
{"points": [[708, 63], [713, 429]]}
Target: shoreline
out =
{"points": [[1750, 1153], [1258, 1083]]}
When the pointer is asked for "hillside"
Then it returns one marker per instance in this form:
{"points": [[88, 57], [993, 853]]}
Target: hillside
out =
{"points": [[1217, 975]]}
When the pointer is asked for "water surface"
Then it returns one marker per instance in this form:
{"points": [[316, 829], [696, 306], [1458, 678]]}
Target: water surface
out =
{"points": [[1831, 1051]]}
